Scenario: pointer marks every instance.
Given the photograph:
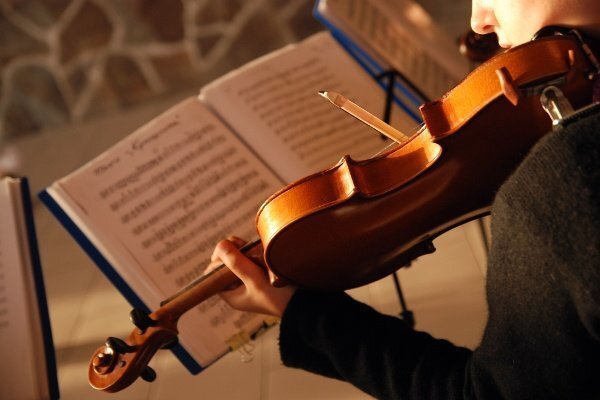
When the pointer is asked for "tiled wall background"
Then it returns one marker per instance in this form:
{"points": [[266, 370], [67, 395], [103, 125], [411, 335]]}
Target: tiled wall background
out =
{"points": [[65, 61]]}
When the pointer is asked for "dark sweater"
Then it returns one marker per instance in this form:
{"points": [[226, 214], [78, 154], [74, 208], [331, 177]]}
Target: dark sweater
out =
{"points": [[542, 338]]}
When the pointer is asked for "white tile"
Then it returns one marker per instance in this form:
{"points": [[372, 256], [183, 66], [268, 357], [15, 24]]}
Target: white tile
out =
{"points": [[293, 384], [74, 385], [384, 297], [104, 313], [68, 275], [446, 291], [271, 359], [229, 378]]}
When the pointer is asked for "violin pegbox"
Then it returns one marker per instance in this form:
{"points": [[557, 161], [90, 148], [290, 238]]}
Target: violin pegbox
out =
{"points": [[119, 363]]}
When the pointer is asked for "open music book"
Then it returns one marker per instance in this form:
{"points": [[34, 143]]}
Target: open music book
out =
{"points": [[150, 209], [396, 35], [26, 346]]}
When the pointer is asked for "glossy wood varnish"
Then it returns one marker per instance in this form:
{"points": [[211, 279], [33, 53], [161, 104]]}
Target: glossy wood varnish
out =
{"points": [[357, 222]]}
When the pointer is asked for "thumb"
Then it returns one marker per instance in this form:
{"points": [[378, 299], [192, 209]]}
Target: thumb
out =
{"points": [[245, 269]]}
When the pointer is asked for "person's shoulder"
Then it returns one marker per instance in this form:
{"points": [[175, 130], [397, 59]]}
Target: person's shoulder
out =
{"points": [[562, 168], [579, 138], [576, 140], [582, 122]]}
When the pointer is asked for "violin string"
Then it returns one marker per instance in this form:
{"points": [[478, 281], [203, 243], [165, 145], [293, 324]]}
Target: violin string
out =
{"points": [[207, 275], [393, 144]]}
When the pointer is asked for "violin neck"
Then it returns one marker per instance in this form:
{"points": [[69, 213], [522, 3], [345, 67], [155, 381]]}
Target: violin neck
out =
{"points": [[200, 290]]}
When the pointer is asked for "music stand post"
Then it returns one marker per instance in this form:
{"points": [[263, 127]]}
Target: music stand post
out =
{"points": [[390, 77]]}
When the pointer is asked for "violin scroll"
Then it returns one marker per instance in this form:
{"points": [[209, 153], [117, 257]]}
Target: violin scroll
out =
{"points": [[119, 363]]}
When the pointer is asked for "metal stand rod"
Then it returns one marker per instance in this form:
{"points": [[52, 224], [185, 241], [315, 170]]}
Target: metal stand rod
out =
{"points": [[405, 314]]}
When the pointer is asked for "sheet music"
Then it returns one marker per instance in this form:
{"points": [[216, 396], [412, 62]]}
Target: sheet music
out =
{"points": [[404, 35], [276, 108], [163, 198]]}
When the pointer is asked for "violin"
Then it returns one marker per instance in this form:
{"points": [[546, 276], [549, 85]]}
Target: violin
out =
{"points": [[381, 213]]}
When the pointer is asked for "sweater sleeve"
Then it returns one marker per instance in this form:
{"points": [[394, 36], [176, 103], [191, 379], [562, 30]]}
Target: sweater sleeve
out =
{"points": [[334, 335]]}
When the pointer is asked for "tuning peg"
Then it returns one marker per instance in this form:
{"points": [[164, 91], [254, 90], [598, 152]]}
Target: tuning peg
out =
{"points": [[148, 374], [119, 346], [141, 320]]}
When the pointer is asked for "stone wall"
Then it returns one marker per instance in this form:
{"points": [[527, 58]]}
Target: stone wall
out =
{"points": [[66, 61]]}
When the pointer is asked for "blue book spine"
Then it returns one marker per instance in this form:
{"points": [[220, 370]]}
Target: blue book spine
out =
{"points": [[109, 271], [40, 290]]}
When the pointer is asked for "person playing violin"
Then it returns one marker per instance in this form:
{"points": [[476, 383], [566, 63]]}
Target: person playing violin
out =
{"points": [[542, 338]]}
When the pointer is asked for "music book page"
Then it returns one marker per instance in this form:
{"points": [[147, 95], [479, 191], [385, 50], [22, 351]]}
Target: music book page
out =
{"points": [[405, 37], [295, 128], [156, 204], [21, 335]]}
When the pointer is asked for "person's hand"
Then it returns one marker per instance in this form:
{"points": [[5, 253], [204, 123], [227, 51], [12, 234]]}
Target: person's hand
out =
{"points": [[256, 294]]}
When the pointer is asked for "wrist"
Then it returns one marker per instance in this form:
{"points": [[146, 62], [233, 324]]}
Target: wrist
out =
{"points": [[282, 300]]}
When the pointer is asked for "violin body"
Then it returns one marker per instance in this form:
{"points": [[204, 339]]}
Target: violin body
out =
{"points": [[359, 221]]}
